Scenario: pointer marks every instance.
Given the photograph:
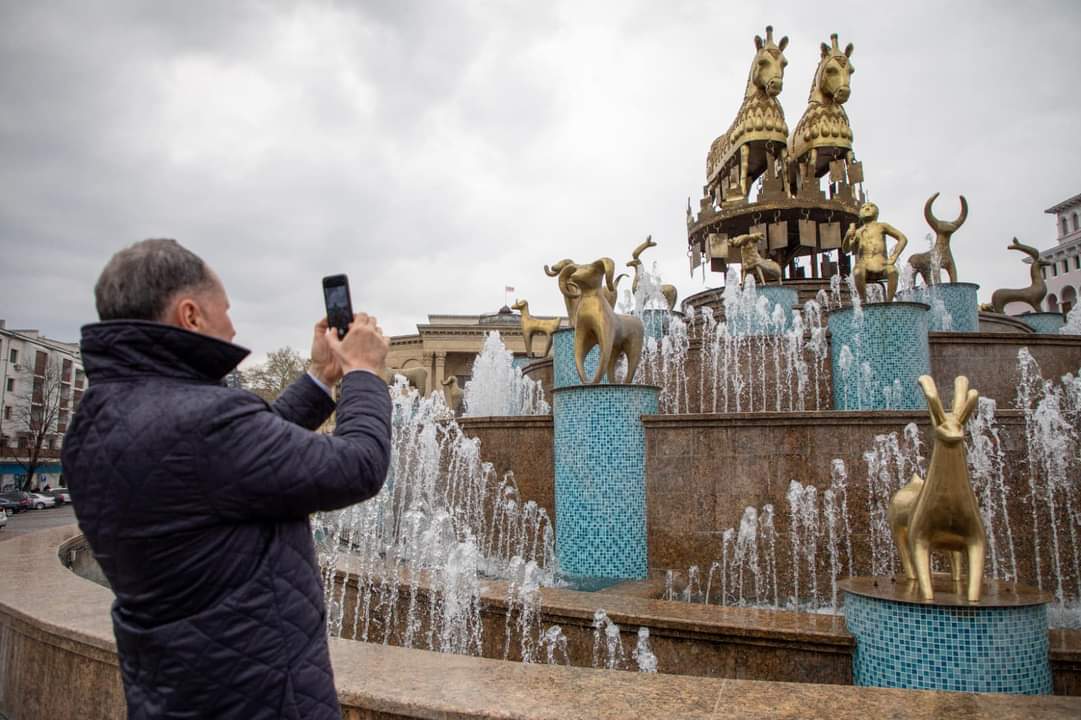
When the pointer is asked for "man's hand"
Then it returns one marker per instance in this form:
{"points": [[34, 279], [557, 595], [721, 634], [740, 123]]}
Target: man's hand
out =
{"points": [[362, 348], [325, 365]]}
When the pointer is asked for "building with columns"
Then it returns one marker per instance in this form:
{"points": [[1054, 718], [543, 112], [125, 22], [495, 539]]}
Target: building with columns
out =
{"points": [[447, 344], [1063, 278]]}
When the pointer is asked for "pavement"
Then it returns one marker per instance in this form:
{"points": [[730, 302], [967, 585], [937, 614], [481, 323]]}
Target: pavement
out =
{"points": [[31, 520]]}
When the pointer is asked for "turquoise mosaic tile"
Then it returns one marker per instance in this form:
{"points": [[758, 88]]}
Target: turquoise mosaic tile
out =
{"points": [[1044, 322], [959, 301], [940, 647], [746, 323], [600, 482], [564, 372], [876, 359]]}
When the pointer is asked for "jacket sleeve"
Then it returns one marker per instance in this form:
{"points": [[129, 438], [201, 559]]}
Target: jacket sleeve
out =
{"points": [[303, 403], [259, 465]]}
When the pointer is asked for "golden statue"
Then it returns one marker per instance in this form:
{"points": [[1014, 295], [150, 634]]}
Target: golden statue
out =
{"points": [[535, 326], [823, 134], [596, 323], [751, 262], [415, 376], [942, 513], [929, 265], [868, 243], [669, 292], [452, 394], [757, 140], [566, 267], [1033, 294]]}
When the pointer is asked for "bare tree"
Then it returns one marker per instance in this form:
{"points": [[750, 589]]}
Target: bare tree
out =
{"points": [[40, 416], [269, 379]]}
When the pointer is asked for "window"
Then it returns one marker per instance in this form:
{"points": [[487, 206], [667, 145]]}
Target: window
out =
{"points": [[11, 384], [1075, 222], [40, 361], [1077, 262], [7, 412], [13, 356], [1054, 269], [1065, 229]]}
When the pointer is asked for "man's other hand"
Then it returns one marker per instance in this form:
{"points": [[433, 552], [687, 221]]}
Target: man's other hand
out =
{"points": [[363, 348], [325, 365]]}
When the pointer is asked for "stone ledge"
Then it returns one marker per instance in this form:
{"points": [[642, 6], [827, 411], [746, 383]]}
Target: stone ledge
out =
{"points": [[47, 611]]}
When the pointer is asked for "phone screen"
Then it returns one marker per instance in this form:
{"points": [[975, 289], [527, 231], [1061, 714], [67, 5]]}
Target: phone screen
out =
{"points": [[339, 307]]}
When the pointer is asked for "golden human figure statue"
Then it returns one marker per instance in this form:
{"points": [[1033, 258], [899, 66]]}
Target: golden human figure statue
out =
{"points": [[867, 242], [941, 513]]}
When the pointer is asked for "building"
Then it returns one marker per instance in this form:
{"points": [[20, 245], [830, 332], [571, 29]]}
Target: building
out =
{"points": [[41, 383], [1064, 276], [447, 344]]}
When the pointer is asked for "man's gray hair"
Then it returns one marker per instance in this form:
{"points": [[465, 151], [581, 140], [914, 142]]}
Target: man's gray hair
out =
{"points": [[139, 281]]}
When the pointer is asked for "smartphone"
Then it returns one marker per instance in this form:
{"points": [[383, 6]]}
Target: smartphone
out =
{"points": [[339, 304]]}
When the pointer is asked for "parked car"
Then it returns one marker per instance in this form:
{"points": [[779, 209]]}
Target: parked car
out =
{"points": [[10, 507], [3, 520], [21, 499], [41, 501], [62, 495]]}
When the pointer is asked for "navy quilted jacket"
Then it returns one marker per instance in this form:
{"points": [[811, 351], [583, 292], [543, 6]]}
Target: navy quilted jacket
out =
{"points": [[195, 499]]}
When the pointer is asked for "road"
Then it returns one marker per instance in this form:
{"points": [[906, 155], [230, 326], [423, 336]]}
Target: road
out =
{"points": [[32, 520]]}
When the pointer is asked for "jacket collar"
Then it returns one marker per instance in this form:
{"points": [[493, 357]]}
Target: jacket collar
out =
{"points": [[119, 349]]}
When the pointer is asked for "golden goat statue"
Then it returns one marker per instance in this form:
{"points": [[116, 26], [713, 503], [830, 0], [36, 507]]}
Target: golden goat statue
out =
{"points": [[565, 268], [752, 262], [535, 326], [669, 292], [941, 512], [1033, 294], [596, 323], [415, 376], [452, 393]]}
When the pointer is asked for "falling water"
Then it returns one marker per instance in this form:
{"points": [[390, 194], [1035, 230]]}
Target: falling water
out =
{"points": [[498, 388]]}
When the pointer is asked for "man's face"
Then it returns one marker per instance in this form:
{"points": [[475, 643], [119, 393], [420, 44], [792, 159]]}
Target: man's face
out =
{"points": [[214, 306]]}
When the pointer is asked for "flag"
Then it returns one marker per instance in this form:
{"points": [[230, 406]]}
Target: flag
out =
{"points": [[508, 288]]}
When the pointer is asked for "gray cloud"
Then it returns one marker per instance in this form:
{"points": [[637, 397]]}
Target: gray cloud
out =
{"points": [[438, 151]]}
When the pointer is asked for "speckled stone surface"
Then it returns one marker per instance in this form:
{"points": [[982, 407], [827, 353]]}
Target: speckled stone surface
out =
{"points": [[996, 593], [57, 626]]}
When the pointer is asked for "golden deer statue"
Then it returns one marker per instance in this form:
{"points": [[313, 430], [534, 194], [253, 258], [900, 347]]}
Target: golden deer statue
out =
{"points": [[1033, 294], [535, 326], [751, 262], [598, 324], [564, 269], [941, 513], [757, 140], [823, 133], [669, 292], [929, 265]]}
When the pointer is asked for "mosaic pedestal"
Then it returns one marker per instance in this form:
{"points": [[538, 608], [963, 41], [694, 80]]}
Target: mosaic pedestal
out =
{"points": [[600, 480], [762, 324], [998, 645], [877, 354], [1043, 322], [564, 371], [960, 310]]}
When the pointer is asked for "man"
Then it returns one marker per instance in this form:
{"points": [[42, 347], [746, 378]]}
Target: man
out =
{"points": [[195, 497], [868, 243]]}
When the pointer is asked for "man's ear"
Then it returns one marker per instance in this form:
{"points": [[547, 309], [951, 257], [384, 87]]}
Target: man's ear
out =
{"points": [[187, 314]]}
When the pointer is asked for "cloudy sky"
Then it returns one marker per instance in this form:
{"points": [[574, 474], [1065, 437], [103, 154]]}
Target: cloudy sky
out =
{"points": [[438, 151]]}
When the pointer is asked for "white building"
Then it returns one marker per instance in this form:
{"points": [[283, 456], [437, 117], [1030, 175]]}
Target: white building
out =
{"points": [[40, 379], [1064, 276]]}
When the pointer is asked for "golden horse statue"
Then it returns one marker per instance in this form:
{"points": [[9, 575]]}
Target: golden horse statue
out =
{"points": [[598, 324], [757, 140], [941, 512], [823, 133], [669, 292], [929, 265]]}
